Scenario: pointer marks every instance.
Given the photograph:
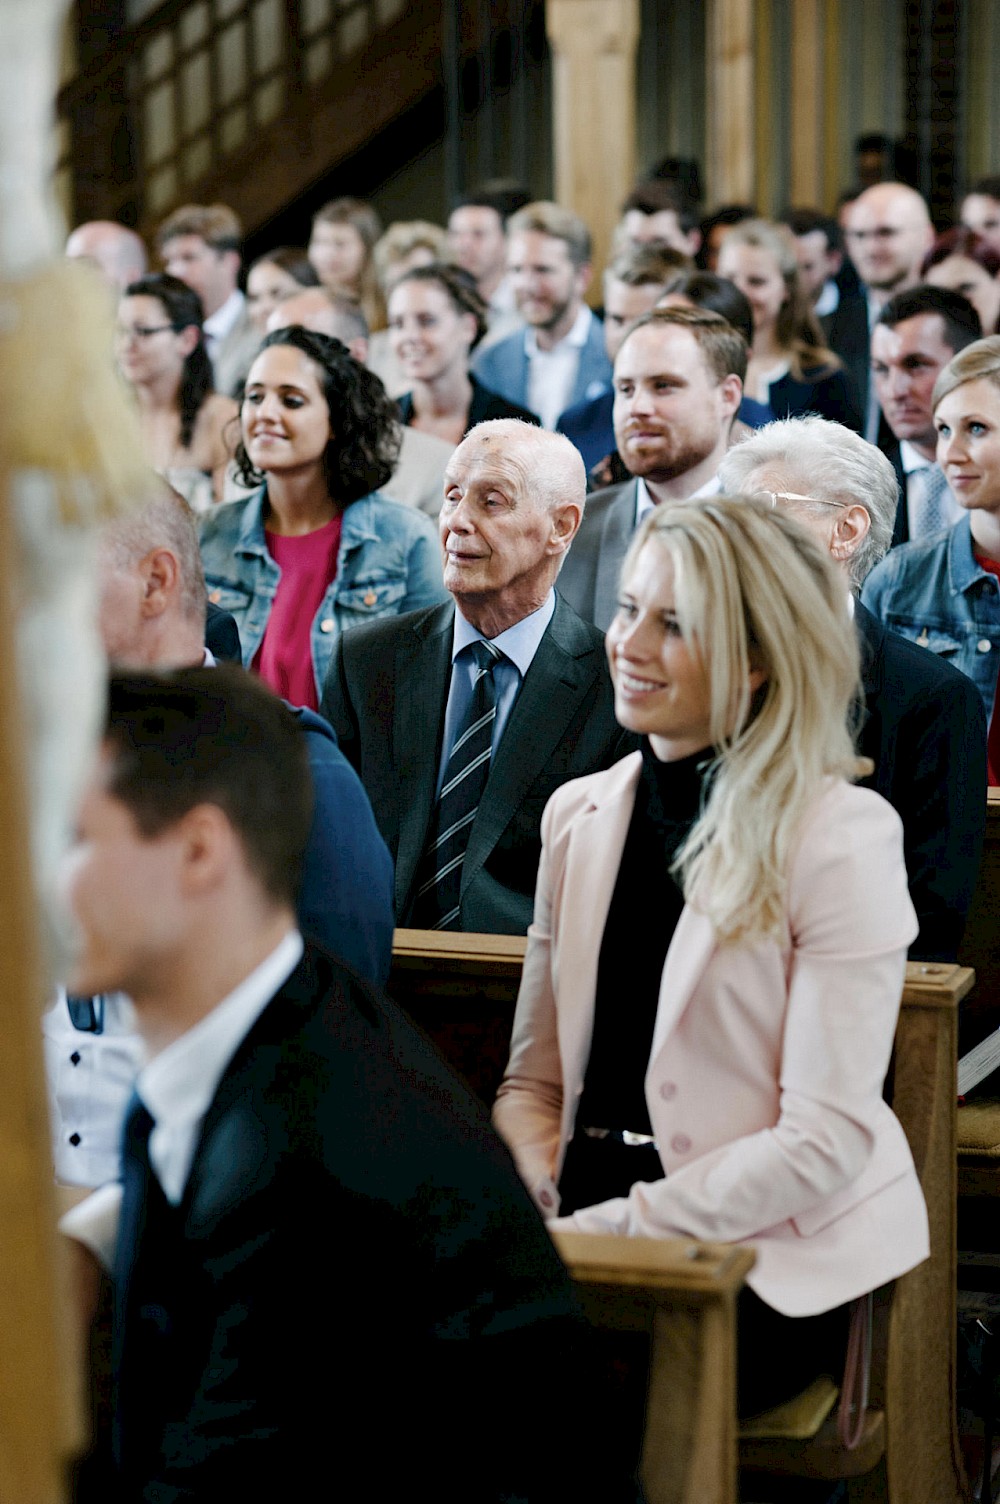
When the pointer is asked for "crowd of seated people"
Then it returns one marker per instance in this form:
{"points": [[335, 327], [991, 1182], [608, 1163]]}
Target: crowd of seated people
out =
{"points": [[669, 641]]}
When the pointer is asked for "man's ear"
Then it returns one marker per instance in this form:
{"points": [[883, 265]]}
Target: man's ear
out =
{"points": [[849, 532], [566, 518], [209, 848], [160, 573], [731, 393]]}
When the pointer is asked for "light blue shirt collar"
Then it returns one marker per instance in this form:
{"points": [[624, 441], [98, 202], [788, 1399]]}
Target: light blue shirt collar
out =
{"points": [[519, 643]]}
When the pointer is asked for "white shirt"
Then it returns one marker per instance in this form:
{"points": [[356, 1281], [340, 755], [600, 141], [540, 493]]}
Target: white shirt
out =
{"points": [[644, 502], [917, 471], [178, 1085], [552, 373], [828, 300], [90, 1078], [224, 319]]}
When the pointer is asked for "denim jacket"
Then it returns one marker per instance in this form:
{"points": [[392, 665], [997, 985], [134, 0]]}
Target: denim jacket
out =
{"points": [[935, 593], [389, 562]]}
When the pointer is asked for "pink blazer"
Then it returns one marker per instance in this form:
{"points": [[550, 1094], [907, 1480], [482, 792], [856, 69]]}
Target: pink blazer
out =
{"points": [[765, 1079]]}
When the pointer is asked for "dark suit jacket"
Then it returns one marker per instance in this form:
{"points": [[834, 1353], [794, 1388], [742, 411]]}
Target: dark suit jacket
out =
{"points": [[385, 697], [901, 527], [925, 730], [847, 336], [222, 635], [589, 576], [485, 406], [354, 1283]]}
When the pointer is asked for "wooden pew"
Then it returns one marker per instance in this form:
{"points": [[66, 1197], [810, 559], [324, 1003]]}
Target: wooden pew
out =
{"points": [[913, 1386]]}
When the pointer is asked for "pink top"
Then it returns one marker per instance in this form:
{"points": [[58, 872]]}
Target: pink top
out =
{"points": [[308, 567]]}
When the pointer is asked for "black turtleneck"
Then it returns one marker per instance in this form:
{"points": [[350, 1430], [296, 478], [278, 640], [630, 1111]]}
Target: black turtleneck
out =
{"points": [[645, 908]]}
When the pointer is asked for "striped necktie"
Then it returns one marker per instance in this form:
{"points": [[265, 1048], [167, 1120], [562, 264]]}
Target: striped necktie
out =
{"points": [[437, 902]]}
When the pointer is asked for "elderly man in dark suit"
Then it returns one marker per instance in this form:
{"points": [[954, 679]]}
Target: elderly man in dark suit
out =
{"points": [[324, 1263], [462, 719], [922, 723]]}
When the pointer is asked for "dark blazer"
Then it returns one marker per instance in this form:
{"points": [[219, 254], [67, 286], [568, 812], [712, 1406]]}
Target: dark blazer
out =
{"points": [[924, 728], [484, 407], [589, 576], [386, 695], [847, 335], [354, 1279], [828, 392], [222, 635]]}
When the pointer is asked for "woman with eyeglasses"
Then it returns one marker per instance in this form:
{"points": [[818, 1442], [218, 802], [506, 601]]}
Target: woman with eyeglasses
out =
{"points": [[714, 969], [161, 353]]}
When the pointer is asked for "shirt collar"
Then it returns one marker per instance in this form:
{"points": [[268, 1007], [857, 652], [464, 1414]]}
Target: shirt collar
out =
{"points": [[218, 325], [911, 459], [178, 1085], [577, 336], [644, 502], [519, 643]]}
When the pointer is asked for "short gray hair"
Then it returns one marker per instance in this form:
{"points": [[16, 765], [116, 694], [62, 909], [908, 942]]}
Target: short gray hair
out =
{"points": [[162, 519], [818, 458]]}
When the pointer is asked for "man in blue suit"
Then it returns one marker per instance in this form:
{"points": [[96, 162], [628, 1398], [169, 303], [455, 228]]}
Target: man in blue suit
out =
{"points": [[559, 358]]}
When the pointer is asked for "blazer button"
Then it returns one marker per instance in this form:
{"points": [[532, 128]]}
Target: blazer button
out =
{"points": [[327, 625], [668, 1090], [545, 1197], [680, 1143], [983, 645]]}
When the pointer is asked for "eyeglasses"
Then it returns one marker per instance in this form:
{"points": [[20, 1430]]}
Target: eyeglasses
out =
{"points": [[774, 497], [140, 331]]}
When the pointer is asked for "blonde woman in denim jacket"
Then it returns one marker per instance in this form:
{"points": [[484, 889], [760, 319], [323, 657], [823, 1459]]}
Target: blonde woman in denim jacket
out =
{"points": [[314, 551]]}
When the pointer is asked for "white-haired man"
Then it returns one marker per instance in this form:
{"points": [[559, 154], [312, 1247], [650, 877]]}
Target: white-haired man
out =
{"points": [[923, 724], [463, 719]]}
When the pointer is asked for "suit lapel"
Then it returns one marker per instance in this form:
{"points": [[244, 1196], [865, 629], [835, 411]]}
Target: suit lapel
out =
{"points": [[562, 671], [619, 525], [691, 948], [423, 668]]}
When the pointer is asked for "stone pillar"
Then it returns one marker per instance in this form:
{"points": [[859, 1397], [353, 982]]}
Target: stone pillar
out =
{"points": [[593, 46], [807, 103], [729, 60]]}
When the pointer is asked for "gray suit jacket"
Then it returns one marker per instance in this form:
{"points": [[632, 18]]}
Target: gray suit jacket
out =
{"points": [[386, 695], [589, 576], [235, 354]]}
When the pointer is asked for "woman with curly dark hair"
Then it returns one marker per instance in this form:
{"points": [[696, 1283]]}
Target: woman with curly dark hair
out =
{"points": [[436, 320], [161, 354], [315, 549]]}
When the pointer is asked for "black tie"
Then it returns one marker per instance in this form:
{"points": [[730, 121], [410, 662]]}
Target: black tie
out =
{"points": [[437, 902], [137, 1184]]}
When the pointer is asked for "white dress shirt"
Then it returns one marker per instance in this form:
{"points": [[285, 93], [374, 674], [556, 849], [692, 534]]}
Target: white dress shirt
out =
{"points": [[645, 503], [552, 373]]}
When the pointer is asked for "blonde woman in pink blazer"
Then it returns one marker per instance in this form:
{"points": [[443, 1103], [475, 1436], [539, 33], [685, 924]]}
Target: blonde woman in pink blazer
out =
{"points": [[721, 922]]}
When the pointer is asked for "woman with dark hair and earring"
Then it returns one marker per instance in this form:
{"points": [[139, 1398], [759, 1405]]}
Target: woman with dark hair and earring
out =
{"points": [[314, 549], [161, 353], [436, 320]]}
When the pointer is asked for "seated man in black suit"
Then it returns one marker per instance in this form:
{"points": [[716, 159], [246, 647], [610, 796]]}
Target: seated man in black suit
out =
{"points": [[922, 723], [325, 1264], [463, 719], [917, 333]]}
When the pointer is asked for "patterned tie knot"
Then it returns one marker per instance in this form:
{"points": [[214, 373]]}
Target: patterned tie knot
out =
{"points": [[484, 655]]}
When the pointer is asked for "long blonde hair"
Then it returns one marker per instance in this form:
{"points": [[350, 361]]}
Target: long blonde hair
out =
{"points": [[753, 590]]}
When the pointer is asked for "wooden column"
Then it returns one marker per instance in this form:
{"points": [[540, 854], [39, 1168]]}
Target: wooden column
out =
{"points": [[593, 46], [807, 92], [729, 60]]}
